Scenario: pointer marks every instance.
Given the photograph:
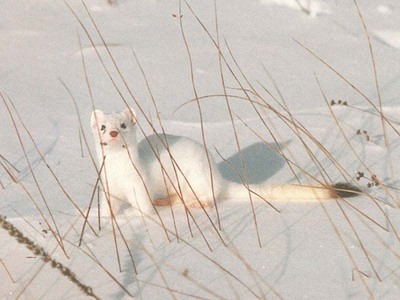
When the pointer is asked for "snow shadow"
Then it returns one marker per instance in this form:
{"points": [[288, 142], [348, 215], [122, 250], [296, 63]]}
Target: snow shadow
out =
{"points": [[261, 163]]}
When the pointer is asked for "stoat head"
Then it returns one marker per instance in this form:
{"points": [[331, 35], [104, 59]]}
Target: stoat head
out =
{"points": [[116, 130]]}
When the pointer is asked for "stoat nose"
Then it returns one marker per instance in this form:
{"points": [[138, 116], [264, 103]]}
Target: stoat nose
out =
{"points": [[113, 133]]}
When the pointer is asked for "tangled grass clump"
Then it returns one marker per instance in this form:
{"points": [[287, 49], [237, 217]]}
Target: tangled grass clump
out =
{"points": [[39, 251]]}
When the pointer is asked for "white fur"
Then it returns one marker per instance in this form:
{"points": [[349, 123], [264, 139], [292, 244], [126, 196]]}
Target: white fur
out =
{"points": [[166, 166]]}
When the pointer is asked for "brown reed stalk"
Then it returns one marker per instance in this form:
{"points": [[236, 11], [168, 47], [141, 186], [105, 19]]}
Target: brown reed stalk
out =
{"points": [[39, 251]]}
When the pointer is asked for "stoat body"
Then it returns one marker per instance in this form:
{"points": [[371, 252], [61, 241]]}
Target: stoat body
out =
{"points": [[163, 169]]}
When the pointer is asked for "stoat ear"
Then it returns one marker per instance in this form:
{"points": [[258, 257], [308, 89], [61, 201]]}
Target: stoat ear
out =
{"points": [[97, 118], [131, 114]]}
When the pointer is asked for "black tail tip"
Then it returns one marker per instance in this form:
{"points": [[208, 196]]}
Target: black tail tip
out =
{"points": [[345, 190]]}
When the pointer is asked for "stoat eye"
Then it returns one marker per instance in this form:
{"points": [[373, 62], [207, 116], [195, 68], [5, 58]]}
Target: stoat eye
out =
{"points": [[123, 125], [103, 127]]}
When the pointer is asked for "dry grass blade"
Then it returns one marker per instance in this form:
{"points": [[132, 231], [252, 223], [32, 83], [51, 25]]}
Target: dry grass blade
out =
{"points": [[315, 179], [80, 142], [234, 250], [228, 105], [56, 233], [355, 266], [11, 175], [286, 109], [216, 263], [9, 163], [29, 223], [237, 80], [375, 72], [96, 185], [341, 209], [359, 159], [241, 179], [185, 274], [382, 116], [359, 240], [175, 291], [89, 253], [365, 215], [167, 147], [351, 85], [42, 157], [7, 271], [200, 111]]}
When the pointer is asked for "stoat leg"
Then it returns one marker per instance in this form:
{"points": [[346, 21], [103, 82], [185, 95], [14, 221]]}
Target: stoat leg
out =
{"points": [[165, 201], [191, 203]]}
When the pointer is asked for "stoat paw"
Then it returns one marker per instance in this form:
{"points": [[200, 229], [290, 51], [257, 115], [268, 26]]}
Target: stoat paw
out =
{"points": [[163, 202], [200, 204]]}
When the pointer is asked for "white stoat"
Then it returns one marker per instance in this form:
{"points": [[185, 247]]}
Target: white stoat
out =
{"points": [[164, 168]]}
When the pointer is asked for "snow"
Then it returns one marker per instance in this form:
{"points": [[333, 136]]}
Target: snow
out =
{"points": [[308, 251], [311, 7], [389, 37]]}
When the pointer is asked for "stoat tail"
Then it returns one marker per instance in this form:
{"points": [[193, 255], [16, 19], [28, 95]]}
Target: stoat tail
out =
{"points": [[294, 192]]}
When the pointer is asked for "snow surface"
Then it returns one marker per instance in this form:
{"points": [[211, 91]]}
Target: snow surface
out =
{"points": [[308, 251], [389, 37], [310, 7]]}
